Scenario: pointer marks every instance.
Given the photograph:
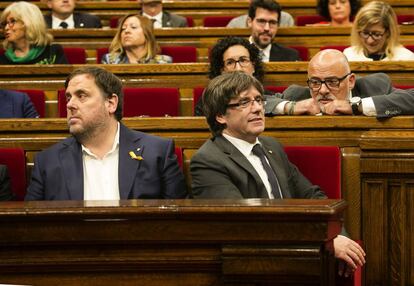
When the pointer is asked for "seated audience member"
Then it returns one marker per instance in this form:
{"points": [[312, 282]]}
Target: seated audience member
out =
{"points": [[375, 35], [234, 54], [286, 20], [15, 104], [134, 42], [63, 16], [263, 21], [338, 12], [26, 39], [334, 90], [152, 9], [6, 193], [103, 159], [238, 163]]}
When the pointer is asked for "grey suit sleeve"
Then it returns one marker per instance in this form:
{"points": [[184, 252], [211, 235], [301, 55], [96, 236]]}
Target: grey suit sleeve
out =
{"points": [[5, 187], [397, 102], [210, 178]]}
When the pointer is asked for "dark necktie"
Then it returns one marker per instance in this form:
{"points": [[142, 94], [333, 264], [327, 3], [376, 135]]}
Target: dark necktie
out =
{"points": [[271, 176], [64, 25]]}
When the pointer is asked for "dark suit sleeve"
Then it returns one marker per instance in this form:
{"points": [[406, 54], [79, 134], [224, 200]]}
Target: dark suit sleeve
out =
{"points": [[5, 187], [36, 189], [29, 111], [173, 181], [57, 50]]}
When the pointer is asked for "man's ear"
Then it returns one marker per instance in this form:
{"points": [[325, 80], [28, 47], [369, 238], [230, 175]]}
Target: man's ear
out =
{"points": [[352, 80], [112, 103], [220, 119], [249, 22]]}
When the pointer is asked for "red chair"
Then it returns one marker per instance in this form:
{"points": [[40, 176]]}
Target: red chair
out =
{"points": [[62, 112], [309, 19], [403, 86], [113, 22], [38, 99], [405, 19], [161, 101], [100, 52], [410, 47], [303, 52], [216, 21], [334, 47], [276, 89], [322, 166], [75, 56], [15, 160], [181, 54], [179, 154], [197, 93], [190, 21]]}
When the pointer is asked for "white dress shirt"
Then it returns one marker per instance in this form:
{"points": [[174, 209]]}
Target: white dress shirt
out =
{"points": [[56, 22], [246, 149], [157, 19], [265, 53], [100, 176]]}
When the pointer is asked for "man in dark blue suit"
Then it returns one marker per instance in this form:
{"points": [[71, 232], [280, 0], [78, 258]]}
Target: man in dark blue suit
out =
{"points": [[15, 104], [103, 159]]}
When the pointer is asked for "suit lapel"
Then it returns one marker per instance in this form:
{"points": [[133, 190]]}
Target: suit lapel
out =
{"points": [[277, 167], [235, 155], [72, 166], [127, 166]]}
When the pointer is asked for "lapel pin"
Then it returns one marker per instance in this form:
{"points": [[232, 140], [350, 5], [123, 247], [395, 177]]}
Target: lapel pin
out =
{"points": [[135, 157], [138, 149], [270, 151]]}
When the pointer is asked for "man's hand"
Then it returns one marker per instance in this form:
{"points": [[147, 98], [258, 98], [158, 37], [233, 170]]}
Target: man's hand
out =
{"points": [[307, 106], [350, 253], [337, 107]]}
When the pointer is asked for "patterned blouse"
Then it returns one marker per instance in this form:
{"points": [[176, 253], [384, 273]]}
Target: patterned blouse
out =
{"points": [[123, 59]]}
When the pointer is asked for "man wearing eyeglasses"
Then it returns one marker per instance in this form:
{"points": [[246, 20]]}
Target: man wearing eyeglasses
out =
{"points": [[334, 90], [263, 20], [238, 163]]}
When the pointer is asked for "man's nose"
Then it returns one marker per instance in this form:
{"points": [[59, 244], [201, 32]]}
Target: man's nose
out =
{"points": [[324, 89]]}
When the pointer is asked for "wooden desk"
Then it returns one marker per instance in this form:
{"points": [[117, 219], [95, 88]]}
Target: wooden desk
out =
{"points": [[169, 242], [183, 76]]}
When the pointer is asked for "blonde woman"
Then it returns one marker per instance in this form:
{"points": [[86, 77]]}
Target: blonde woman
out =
{"points": [[134, 42], [375, 35], [26, 39]]}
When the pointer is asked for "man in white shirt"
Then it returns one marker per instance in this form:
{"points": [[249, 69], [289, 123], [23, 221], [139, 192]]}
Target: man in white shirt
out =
{"points": [[103, 159], [62, 16], [237, 162], [153, 10], [334, 90]]}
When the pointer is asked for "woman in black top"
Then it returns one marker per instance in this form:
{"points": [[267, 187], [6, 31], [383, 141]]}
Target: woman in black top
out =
{"points": [[26, 39]]}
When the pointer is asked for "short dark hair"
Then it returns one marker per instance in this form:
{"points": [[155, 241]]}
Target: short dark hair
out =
{"points": [[270, 5], [220, 91], [107, 82], [323, 8], [217, 52]]}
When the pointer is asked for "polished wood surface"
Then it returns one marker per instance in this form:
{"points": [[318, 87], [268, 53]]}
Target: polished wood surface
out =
{"points": [[169, 242]]}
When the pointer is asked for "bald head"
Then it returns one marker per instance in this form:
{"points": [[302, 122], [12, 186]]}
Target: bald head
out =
{"points": [[329, 60]]}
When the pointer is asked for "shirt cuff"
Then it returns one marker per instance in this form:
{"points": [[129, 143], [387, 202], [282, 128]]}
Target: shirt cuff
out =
{"points": [[280, 108], [368, 107]]}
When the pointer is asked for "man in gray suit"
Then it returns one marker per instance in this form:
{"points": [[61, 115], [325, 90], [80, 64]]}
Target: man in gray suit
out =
{"points": [[334, 90], [64, 17], [153, 10], [239, 163]]}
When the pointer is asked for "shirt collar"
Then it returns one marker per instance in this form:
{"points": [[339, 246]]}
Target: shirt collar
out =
{"points": [[265, 53], [69, 20], [157, 17], [114, 145], [243, 146]]}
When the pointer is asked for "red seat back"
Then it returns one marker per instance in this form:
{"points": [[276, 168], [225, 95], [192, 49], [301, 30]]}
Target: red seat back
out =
{"points": [[100, 52], [274, 88], [38, 99], [113, 22], [216, 21], [320, 164], [405, 19], [303, 52], [15, 160], [62, 112], [75, 56], [410, 47], [309, 19], [161, 101], [181, 54]]}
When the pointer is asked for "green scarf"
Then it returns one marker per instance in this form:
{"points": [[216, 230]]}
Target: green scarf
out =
{"points": [[33, 53]]}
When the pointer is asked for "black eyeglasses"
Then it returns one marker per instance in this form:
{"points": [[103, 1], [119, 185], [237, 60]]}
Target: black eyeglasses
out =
{"points": [[374, 35], [231, 63], [263, 22], [332, 82], [246, 102]]}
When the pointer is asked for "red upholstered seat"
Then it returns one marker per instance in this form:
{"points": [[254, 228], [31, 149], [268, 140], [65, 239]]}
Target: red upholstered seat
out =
{"points": [[61, 103], [410, 47], [309, 19], [274, 88], [405, 19], [334, 47], [38, 99], [100, 52], [15, 160], [303, 52], [180, 54], [161, 101], [216, 21], [75, 55]]}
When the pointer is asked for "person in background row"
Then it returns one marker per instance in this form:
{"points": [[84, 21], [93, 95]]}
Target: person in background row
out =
{"points": [[286, 20], [6, 193], [63, 16], [263, 21], [339, 13], [375, 35], [103, 159], [152, 9], [134, 42], [15, 104], [26, 39], [239, 163], [334, 90]]}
